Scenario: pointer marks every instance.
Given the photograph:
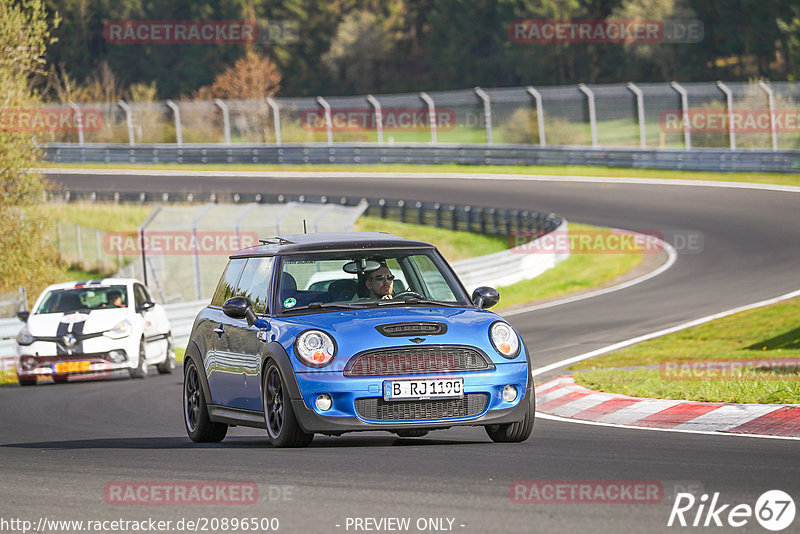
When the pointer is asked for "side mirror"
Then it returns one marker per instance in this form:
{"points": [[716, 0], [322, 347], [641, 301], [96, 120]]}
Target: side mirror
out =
{"points": [[240, 308], [23, 316], [485, 297], [147, 305]]}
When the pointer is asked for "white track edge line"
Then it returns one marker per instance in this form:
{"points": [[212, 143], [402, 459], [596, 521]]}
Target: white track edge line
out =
{"points": [[672, 257], [682, 430], [425, 176], [665, 331]]}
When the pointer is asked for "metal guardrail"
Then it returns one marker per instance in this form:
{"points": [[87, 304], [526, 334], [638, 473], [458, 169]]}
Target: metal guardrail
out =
{"points": [[698, 159]]}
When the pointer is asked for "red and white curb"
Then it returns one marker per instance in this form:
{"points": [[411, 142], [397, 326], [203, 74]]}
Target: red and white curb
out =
{"points": [[564, 398]]}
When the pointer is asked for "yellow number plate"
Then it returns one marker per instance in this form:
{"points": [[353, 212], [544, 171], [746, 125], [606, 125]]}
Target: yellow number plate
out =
{"points": [[72, 367]]}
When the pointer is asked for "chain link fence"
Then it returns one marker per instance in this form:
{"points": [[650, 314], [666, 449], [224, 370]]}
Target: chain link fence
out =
{"points": [[732, 115]]}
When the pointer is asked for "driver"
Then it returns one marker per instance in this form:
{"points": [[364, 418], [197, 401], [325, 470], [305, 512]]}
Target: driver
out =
{"points": [[114, 298], [380, 283]]}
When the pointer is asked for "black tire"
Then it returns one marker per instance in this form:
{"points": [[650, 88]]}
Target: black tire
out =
{"points": [[27, 381], [514, 432], [282, 426], [168, 365], [140, 371], [199, 426], [412, 433]]}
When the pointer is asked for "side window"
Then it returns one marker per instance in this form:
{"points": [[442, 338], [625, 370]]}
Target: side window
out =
{"points": [[227, 284], [255, 281], [140, 296]]}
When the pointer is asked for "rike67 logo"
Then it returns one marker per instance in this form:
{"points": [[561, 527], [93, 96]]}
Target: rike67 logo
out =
{"points": [[774, 510]]}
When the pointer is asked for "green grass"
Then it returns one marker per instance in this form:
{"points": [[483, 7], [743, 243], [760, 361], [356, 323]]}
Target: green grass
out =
{"points": [[650, 384], [569, 170], [769, 333], [454, 245], [576, 273], [105, 216]]}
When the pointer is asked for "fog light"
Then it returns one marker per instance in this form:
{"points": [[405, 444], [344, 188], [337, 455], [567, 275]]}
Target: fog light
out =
{"points": [[324, 402], [117, 356], [509, 393]]}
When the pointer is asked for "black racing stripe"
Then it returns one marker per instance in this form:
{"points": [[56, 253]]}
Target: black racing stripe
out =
{"points": [[82, 282], [97, 281], [63, 328], [77, 330]]}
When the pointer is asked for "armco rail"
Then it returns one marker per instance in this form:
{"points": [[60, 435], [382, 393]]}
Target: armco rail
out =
{"points": [[698, 159]]}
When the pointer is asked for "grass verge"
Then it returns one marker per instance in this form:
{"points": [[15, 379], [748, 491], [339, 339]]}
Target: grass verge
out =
{"points": [[770, 333], [567, 170]]}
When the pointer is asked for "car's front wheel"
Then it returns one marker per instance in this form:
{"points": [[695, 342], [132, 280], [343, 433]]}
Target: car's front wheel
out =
{"points": [[514, 432], [282, 425], [140, 371], [199, 426], [27, 381]]}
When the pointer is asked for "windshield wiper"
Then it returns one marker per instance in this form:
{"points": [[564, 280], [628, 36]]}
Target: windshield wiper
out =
{"points": [[319, 305], [413, 300]]}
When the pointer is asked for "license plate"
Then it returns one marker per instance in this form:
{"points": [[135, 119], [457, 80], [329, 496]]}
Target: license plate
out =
{"points": [[72, 367], [439, 388]]}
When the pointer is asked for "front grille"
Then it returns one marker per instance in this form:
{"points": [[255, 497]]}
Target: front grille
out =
{"points": [[412, 329], [418, 360], [377, 409]]}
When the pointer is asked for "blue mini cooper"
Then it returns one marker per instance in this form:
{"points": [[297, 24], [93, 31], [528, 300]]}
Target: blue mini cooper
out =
{"points": [[339, 332]]}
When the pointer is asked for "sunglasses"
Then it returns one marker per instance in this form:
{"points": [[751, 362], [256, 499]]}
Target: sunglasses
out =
{"points": [[382, 277]]}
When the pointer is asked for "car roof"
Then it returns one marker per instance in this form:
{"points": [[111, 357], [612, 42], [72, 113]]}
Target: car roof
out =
{"points": [[95, 282], [289, 244]]}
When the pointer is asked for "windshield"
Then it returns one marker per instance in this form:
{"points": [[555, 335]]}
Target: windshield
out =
{"points": [[95, 298], [342, 280]]}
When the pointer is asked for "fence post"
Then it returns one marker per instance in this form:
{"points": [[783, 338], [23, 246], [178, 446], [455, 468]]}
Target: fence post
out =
{"points": [[58, 237], [226, 119], [78, 242], [99, 251], [141, 231], [487, 113], [729, 100], [328, 121], [178, 131], [771, 99], [128, 120], [78, 121], [687, 139], [592, 113], [276, 119], [197, 273], [378, 117], [639, 112], [537, 97], [431, 115]]}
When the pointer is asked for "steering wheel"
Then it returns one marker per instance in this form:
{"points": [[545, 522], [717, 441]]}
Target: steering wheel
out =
{"points": [[408, 293]]}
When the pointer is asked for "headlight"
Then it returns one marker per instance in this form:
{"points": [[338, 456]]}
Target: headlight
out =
{"points": [[123, 329], [315, 348], [504, 339], [24, 337]]}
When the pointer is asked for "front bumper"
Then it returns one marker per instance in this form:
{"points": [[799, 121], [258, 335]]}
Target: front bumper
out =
{"points": [[100, 364]]}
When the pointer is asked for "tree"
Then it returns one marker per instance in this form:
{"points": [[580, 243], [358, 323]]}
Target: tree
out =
{"points": [[251, 77]]}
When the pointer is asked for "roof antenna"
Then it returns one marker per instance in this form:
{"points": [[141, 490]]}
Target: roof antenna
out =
{"points": [[304, 227]]}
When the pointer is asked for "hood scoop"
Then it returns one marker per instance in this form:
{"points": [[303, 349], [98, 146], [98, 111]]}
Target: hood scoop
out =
{"points": [[412, 329]]}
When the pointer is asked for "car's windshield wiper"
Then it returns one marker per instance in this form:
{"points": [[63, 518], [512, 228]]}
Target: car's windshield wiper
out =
{"points": [[319, 305], [413, 300]]}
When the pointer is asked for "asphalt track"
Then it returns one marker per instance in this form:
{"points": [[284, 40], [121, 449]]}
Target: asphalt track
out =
{"points": [[60, 445]]}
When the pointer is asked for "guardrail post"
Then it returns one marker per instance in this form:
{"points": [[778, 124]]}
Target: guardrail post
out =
{"points": [[773, 124], [729, 100], [453, 217], [537, 97], [420, 219], [401, 205], [226, 119], [639, 112], [382, 204], [487, 113], [431, 115], [507, 222], [328, 120], [378, 117], [687, 138], [592, 113], [177, 113], [437, 208], [276, 119], [78, 121], [128, 120], [482, 219], [495, 222]]}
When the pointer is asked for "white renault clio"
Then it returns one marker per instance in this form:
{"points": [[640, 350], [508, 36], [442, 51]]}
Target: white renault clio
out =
{"points": [[93, 327]]}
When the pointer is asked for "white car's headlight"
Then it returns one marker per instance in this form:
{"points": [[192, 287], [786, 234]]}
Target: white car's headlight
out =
{"points": [[24, 337], [315, 348], [123, 329], [504, 339]]}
